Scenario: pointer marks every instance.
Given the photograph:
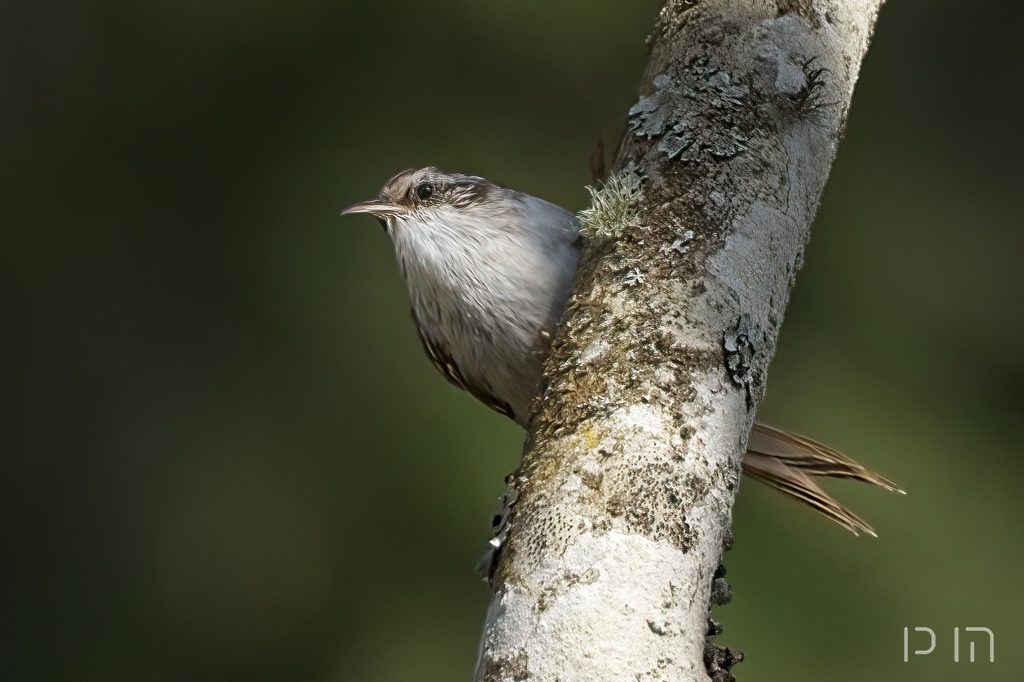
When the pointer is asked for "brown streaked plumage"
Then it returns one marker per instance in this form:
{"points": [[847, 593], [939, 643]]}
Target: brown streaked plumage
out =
{"points": [[442, 359], [790, 463]]}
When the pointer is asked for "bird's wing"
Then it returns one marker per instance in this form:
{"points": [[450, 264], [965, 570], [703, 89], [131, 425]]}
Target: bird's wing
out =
{"points": [[445, 364], [790, 463]]}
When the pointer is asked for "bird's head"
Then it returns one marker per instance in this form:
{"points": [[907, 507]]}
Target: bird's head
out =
{"points": [[425, 196]]}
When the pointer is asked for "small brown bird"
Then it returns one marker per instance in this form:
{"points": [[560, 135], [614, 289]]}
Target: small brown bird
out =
{"points": [[488, 271]]}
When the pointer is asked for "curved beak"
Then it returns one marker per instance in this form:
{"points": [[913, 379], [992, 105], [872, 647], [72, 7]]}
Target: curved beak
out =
{"points": [[374, 207]]}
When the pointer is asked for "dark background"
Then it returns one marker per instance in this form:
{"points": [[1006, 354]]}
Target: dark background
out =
{"points": [[224, 456]]}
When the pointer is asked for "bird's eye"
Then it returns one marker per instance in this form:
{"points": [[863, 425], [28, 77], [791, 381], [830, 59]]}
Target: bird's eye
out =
{"points": [[424, 191]]}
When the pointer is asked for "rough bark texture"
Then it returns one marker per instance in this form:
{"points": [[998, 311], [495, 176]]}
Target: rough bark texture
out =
{"points": [[615, 524]]}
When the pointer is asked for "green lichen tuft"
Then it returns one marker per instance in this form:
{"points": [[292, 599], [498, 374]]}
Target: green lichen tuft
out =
{"points": [[613, 207]]}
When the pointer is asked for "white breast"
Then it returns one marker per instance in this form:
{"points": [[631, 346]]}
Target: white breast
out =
{"points": [[484, 281]]}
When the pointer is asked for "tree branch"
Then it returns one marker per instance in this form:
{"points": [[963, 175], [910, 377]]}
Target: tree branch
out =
{"points": [[616, 520]]}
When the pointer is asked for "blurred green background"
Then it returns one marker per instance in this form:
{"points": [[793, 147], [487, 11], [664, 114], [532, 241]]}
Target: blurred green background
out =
{"points": [[225, 457]]}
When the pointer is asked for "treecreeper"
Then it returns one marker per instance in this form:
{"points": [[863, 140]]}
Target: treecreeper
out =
{"points": [[488, 270]]}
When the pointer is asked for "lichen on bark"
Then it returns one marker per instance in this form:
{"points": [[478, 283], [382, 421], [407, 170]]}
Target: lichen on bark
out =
{"points": [[612, 541]]}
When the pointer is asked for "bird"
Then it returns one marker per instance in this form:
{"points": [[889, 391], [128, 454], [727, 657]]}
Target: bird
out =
{"points": [[488, 271]]}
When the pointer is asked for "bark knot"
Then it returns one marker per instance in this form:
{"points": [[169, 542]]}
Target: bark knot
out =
{"points": [[739, 353]]}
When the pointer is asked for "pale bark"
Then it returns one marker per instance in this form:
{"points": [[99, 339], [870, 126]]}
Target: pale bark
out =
{"points": [[617, 518]]}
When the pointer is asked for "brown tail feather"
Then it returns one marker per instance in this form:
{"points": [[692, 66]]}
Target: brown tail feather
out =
{"points": [[790, 462]]}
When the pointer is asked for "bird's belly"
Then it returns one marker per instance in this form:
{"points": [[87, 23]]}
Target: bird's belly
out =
{"points": [[508, 368]]}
